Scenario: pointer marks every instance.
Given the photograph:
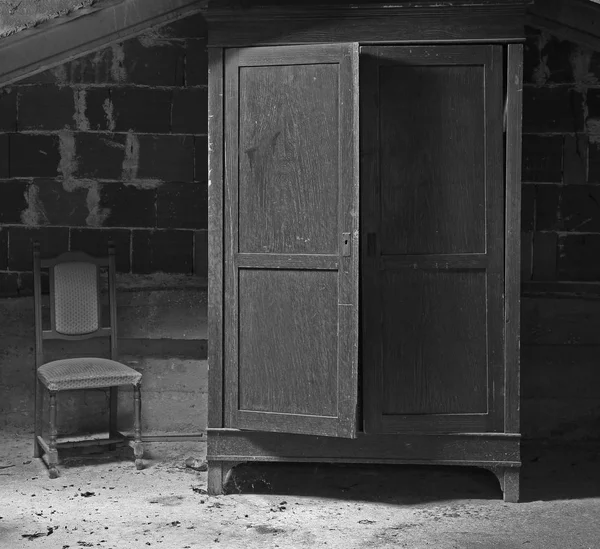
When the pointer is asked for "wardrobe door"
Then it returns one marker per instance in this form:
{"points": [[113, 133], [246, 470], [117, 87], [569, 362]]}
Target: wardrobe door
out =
{"points": [[291, 242], [433, 238]]}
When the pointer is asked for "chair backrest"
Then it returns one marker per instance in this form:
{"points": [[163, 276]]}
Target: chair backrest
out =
{"points": [[75, 298]]}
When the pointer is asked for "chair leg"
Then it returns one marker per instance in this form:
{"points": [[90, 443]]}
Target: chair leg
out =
{"points": [[53, 452], [138, 449], [112, 414], [37, 418]]}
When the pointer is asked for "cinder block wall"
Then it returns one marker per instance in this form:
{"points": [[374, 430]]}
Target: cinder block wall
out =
{"points": [[112, 145], [561, 239]]}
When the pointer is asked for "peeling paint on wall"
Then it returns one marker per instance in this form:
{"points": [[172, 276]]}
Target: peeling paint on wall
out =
{"points": [[593, 130], [109, 113], [117, 68], [81, 122], [580, 62], [155, 37], [132, 157], [542, 71], [98, 215], [35, 214], [68, 158]]}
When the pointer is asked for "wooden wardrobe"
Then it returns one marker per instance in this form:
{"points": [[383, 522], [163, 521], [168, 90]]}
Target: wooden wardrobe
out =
{"points": [[364, 221]]}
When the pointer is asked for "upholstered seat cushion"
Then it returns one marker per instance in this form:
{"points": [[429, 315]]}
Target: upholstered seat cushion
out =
{"points": [[86, 373]]}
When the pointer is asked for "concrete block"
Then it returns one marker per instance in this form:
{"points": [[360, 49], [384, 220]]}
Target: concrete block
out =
{"points": [[528, 207], [8, 110], [542, 158], [200, 158], [579, 257], [545, 249], [579, 208], [196, 62], [556, 55], [4, 155], [174, 450], [99, 67], [556, 109], [165, 411], [9, 282], [33, 155], [166, 158], [97, 105], [201, 253], [53, 240], [559, 321], [170, 374], [526, 256], [182, 205], [190, 111], [543, 369], [12, 201], [575, 159], [532, 59], [3, 248], [142, 110], [167, 251], [594, 162], [166, 314], [128, 206], [95, 242], [151, 60], [51, 204], [99, 156], [45, 107], [559, 418], [593, 103], [547, 214]]}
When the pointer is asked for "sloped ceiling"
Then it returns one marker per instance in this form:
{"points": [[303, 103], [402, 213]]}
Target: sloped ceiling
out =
{"points": [[17, 15], [574, 20], [61, 30], [38, 34]]}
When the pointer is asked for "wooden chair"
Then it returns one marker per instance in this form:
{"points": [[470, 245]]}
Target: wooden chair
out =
{"points": [[76, 314]]}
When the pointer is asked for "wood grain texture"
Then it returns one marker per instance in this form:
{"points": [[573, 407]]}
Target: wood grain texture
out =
{"points": [[402, 23], [288, 261], [288, 146], [288, 342], [513, 229], [432, 157], [495, 233], [291, 191], [433, 262], [480, 448], [434, 343], [215, 238], [370, 299]]}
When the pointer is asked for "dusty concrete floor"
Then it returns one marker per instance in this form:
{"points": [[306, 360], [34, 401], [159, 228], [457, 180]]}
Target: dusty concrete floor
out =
{"points": [[104, 503]]}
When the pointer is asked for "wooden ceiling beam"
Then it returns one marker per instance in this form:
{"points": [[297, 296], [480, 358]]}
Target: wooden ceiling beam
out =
{"points": [[60, 40]]}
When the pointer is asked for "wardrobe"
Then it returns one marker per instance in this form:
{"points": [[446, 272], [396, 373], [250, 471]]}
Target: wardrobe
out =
{"points": [[364, 221]]}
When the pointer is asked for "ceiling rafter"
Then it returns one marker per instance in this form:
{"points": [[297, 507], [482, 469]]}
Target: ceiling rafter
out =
{"points": [[55, 42]]}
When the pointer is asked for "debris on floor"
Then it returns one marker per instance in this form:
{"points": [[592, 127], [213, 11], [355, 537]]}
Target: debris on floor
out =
{"points": [[110, 505]]}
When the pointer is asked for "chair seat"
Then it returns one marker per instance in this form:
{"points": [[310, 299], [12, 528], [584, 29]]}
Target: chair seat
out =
{"points": [[86, 373]]}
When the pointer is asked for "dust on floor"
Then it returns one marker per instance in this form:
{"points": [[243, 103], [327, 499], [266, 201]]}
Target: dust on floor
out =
{"points": [[106, 503]]}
